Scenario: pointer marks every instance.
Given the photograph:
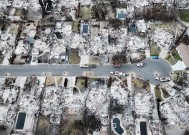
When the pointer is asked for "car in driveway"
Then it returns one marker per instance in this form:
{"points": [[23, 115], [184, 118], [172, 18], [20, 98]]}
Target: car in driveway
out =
{"points": [[165, 79], [141, 64]]}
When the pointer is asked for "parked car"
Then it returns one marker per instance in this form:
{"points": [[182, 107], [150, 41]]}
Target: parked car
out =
{"points": [[124, 74], [116, 73], [141, 64], [120, 73], [165, 79], [117, 65], [112, 72], [157, 78], [92, 65], [84, 66]]}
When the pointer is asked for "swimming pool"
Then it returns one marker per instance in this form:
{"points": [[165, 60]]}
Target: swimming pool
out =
{"points": [[143, 128], [20, 120], [117, 126]]}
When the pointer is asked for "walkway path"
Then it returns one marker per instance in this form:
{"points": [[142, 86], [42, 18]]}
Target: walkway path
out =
{"points": [[129, 84], [162, 94]]}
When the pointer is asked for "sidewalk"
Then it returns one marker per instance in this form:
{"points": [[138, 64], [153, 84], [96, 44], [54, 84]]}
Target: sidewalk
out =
{"points": [[163, 54]]}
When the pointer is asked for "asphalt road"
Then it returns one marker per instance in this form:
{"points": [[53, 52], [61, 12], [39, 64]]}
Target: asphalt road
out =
{"points": [[153, 66]]}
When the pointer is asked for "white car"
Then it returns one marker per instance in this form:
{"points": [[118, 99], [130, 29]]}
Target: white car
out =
{"points": [[141, 64], [157, 78], [125, 74], [84, 66], [120, 73], [112, 72], [165, 79], [116, 73]]}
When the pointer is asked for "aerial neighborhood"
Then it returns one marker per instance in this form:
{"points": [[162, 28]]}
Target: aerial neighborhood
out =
{"points": [[94, 67]]}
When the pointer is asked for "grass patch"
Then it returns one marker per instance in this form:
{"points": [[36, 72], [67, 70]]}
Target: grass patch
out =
{"points": [[184, 15], [169, 27], [176, 56], [80, 83], [59, 80], [74, 57], [138, 83], [75, 26], [158, 93], [141, 84], [85, 13], [165, 93], [43, 125], [154, 50], [170, 59], [49, 81]]}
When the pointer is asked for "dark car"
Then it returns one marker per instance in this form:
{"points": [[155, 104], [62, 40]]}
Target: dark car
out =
{"points": [[117, 65], [92, 66], [179, 88]]}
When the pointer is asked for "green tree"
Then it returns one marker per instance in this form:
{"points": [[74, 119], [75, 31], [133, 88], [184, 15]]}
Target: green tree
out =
{"points": [[91, 122], [119, 59]]}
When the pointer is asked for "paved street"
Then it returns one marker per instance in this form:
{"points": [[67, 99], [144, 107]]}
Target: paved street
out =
{"points": [[147, 73]]}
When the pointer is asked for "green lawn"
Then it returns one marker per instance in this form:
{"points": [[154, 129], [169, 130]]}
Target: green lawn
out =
{"points": [[85, 13], [175, 55], [170, 60], [80, 83], [154, 50], [75, 27], [74, 57], [184, 15], [141, 84], [138, 83]]}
